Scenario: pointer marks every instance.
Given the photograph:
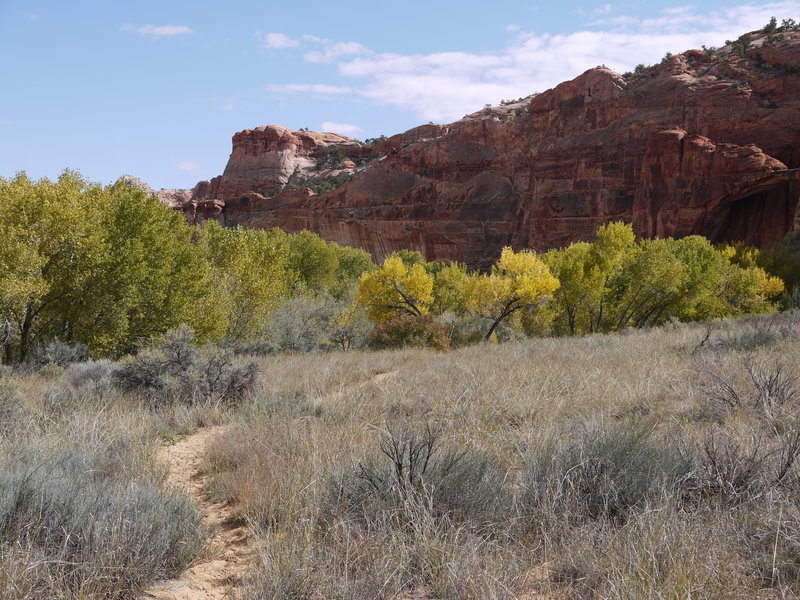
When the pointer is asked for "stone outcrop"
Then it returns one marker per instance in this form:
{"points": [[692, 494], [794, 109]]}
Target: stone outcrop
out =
{"points": [[698, 144]]}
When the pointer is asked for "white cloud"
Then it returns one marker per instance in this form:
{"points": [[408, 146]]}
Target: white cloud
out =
{"points": [[279, 40], [444, 86], [320, 89], [314, 38], [158, 31], [343, 128], [603, 10], [332, 51], [188, 166]]}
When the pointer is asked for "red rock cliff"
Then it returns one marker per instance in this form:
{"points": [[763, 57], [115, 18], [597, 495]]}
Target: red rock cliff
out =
{"points": [[695, 145]]}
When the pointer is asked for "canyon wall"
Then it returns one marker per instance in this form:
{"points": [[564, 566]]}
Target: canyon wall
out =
{"points": [[699, 144]]}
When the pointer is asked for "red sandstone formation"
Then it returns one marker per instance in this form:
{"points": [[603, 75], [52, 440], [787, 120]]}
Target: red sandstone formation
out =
{"points": [[694, 145]]}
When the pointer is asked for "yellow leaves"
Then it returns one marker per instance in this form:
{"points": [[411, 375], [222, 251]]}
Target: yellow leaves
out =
{"points": [[488, 294], [518, 280], [394, 289], [767, 286]]}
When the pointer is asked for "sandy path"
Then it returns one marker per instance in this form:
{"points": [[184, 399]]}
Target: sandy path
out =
{"points": [[217, 573]]}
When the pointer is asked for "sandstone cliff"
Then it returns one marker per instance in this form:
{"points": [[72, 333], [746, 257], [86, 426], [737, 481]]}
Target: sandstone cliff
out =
{"points": [[699, 144]]}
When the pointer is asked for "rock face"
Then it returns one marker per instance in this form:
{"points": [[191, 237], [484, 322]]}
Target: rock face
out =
{"points": [[698, 144]]}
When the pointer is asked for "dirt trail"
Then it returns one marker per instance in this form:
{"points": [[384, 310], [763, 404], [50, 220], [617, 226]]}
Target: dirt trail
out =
{"points": [[217, 573]]}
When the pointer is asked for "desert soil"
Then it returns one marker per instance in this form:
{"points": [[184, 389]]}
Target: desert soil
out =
{"points": [[218, 572]]}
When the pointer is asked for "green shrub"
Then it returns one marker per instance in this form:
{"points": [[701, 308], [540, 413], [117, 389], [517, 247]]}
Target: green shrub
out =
{"points": [[302, 323], [332, 158], [741, 44], [60, 353], [771, 26], [92, 374], [51, 371], [409, 331], [748, 339]]}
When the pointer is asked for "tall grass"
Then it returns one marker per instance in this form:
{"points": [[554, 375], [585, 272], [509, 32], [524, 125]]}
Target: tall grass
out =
{"points": [[595, 467], [84, 512]]}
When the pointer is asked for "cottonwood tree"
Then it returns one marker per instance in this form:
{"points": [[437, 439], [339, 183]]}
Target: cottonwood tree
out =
{"points": [[585, 271], [394, 289], [518, 280], [104, 266]]}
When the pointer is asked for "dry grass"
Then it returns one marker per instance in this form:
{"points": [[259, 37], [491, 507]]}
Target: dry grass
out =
{"points": [[661, 492], [83, 509], [648, 464]]}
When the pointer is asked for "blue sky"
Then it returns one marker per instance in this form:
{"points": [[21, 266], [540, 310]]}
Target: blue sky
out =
{"points": [[157, 88]]}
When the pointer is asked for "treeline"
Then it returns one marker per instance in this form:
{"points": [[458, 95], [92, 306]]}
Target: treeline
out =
{"points": [[112, 269], [612, 283]]}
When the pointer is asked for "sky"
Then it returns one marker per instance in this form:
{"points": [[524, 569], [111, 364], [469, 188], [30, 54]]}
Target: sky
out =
{"points": [[156, 89]]}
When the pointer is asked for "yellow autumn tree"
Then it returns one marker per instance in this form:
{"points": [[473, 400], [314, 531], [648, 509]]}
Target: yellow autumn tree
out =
{"points": [[518, 280], [395, 289]]}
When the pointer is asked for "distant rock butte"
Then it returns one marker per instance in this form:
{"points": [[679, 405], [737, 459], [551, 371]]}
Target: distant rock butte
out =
{"points": [[695, 145]]}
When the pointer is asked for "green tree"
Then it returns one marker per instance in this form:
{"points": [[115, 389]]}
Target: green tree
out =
{"points": [[585, 271], [250, 277], [314, 262], [104, 266], [353, 262], [449, 289]]}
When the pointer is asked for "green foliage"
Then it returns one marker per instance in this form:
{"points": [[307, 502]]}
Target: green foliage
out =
{"points": [[59, 353], [331, 158], [251, 275], [614, 283], [353, 263], [450, 289], [740, 45], [771, 26], [110, 269], [330, 183], [103, 266], [414, 257], [312, 260], [306, 323], [638, 72], [409, 331], [375, 140]]}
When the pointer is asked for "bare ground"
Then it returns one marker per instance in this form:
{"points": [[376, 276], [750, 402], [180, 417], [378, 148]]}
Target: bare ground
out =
{"points": [[218, 572]]}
